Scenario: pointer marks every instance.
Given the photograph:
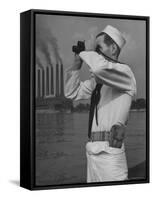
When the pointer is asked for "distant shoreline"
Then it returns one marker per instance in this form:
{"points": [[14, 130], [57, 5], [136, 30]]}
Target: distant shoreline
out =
{"points": [[138, 110], [51, 111]]}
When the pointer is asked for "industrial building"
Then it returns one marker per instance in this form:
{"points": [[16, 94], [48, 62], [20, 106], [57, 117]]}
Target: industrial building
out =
{"points": [[49, 81]]}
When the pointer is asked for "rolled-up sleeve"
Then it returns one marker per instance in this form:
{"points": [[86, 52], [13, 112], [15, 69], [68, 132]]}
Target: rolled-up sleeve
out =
{"points": [[113, 74], [75, 88]]}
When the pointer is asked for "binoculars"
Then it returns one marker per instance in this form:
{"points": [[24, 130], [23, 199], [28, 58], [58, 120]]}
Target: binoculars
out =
{"points": [[79, 47]]}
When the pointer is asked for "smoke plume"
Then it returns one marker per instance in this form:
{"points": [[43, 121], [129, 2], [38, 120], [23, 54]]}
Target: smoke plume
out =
{"points": [[47, 44], [39, 62]]}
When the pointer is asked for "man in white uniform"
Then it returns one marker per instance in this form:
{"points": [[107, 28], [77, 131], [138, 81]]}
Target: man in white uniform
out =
{"points": [[111, 88]]}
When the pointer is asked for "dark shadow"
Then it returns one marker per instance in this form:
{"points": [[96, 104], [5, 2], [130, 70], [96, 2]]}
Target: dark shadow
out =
{"points": [[139, 171], [15, 182]]}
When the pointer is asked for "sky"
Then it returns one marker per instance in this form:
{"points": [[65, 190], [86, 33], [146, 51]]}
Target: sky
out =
{"points": [[64, 31]]}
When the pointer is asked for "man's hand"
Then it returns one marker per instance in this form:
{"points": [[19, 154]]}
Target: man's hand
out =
{"points": [[117, 135], [77, 62]]}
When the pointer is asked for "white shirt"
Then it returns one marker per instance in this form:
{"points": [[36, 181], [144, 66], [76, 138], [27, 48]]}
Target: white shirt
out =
{"points": [[119, 86]]}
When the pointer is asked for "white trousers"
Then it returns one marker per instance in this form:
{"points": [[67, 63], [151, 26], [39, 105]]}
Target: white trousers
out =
{"points": [[105, 163]]}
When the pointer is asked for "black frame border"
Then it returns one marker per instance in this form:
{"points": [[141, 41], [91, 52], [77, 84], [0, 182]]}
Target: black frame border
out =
{"points": [[27, 98]]}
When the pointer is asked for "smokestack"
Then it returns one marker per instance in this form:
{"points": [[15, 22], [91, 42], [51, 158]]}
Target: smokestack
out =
{"points": [[57, 80], [62, 81], [43, 82], [38, 88], [52, 79], [47, 80]]}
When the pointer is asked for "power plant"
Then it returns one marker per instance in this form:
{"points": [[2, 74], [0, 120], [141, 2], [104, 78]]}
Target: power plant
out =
{"points": [[49, 87], [49, 77], [49, 81]]}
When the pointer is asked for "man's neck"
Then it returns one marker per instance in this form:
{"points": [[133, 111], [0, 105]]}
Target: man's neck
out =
{"points": [[110, 58], [113, 58]]}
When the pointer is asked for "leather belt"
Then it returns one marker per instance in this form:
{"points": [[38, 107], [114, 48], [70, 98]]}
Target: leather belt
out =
{"points": [[115, 136], [100, 136]]}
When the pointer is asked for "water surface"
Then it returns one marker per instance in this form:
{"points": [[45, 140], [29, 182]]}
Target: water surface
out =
{"points": [[60, 146]]}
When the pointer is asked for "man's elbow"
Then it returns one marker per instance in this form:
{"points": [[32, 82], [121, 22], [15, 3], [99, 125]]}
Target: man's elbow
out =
{"points": [[67, 93]]}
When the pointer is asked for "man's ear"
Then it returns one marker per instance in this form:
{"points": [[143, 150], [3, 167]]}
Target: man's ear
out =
{"points": [[113, 49]]}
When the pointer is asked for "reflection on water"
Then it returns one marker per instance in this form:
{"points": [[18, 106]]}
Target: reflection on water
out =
{"points": [[60, 146]]}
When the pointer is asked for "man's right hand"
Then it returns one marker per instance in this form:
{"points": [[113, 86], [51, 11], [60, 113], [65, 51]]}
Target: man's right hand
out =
{"points": [[117, 135], [77, 62]]}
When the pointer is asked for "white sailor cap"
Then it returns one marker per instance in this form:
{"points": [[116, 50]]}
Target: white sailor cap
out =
{"points": [[115, 34]]}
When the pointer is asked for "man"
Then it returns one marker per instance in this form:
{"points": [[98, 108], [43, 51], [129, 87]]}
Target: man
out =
{"points": [[111, 88]]}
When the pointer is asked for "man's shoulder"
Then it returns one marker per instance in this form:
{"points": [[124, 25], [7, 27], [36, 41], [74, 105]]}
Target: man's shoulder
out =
{"points": [[126, 67]]}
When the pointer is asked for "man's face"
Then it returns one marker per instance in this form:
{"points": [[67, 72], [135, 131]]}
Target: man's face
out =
{"points": [[103, 47]]}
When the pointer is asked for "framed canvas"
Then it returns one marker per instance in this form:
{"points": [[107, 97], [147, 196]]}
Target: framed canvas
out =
{"points": [[84, 99]]}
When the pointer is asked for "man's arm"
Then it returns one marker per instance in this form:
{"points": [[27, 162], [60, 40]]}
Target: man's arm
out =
{"points": [[115, 75], [75, 88]]}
